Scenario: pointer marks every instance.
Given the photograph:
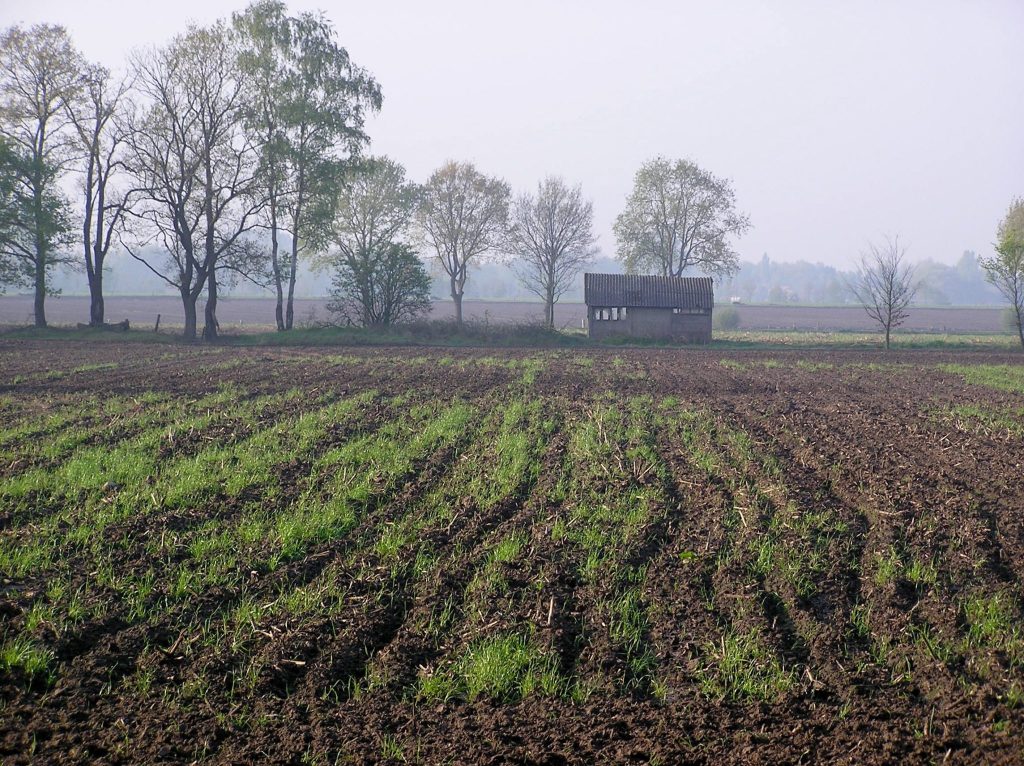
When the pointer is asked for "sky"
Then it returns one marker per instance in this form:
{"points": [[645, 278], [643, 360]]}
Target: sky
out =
{"points": [[838, 123]]}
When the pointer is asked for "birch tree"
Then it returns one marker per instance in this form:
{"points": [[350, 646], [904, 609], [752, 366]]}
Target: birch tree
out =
{"points": [[307, 108], [551, 234]]}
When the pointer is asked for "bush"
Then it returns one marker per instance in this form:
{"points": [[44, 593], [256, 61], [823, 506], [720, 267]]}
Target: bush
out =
{"points": [[383, 288], [726, 318]]}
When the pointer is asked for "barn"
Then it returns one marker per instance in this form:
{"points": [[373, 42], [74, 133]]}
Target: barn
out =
{"points": [[635, 306]]}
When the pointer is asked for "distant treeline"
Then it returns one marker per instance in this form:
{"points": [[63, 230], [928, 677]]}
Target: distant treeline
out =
{"points": [[767, 281], [761, 281]]}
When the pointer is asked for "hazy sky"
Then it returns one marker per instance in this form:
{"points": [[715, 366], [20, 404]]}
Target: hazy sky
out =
{"points": [[838, 122]]}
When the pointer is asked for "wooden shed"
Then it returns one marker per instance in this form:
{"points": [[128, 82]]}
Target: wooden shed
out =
{"points": [[635, 306]]}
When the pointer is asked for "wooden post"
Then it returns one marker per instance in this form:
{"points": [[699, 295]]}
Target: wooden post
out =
{"points": [[157, 328]]}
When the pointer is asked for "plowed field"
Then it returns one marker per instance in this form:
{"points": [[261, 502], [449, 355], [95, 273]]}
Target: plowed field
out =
{"points": [[223, 555]]}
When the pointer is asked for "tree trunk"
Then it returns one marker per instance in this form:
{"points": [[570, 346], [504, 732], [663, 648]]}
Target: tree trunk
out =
{"points": [[276, 265], [457, 297], [289, 319], [279, 306], [210, 315], [96, 309], [188, 302], [549, 308], [300, 196], [1020, 323], [40, 298], [364, 292], [887, 331]]}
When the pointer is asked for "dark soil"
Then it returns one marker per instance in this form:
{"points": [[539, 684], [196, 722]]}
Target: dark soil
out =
{"points": [[872, 449]]}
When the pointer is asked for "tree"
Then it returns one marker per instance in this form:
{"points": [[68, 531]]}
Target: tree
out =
{"points": [[102, 136], [679, 216], [1005, 269], [552, 233], [373, 213], [390, 287], [462, 217], [39, 77], [195, 169], [306, 108], [884, 284]]}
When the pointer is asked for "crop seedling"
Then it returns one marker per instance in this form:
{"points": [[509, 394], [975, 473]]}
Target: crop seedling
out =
{"points": [[739, 666]]}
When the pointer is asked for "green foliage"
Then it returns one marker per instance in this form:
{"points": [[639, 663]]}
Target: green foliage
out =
{"points": [[363, 469], [860, 621], [922, 572], [307, 106], [40, 79], [509, 548], [1005, 269], [376, 281], [629, 628], [515, 465], [888, 567]]}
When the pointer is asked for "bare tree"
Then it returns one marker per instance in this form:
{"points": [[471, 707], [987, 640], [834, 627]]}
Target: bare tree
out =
{"points": [[39, 77], [552, 235], [679, 216], [884, 284], [1005, 269], [196, 170], [462, 217], [97, 118]]}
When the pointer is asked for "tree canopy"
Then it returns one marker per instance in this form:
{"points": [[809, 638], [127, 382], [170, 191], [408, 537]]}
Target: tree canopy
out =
{"points": [[306, 109], [462, 217], [372, 219], [679, 216], [551, 233], [885, 285]]}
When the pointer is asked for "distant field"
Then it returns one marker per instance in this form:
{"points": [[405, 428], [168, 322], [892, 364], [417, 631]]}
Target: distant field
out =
{"points": [[391, 555], [259, 312]]}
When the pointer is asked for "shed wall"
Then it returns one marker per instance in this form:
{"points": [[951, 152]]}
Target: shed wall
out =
{"points": [[660, 324]]}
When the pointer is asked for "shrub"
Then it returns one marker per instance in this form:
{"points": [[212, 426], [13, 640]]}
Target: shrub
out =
{"points": [[726, 318], [382, 288]]}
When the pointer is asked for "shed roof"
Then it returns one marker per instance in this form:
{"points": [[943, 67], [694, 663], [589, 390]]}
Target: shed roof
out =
{"points": [[637, 291]]}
